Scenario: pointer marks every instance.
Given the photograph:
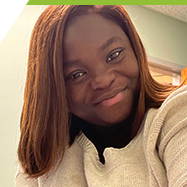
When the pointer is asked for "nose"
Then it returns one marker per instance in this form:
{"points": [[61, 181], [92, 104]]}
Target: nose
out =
{"points": [[102, 81]]}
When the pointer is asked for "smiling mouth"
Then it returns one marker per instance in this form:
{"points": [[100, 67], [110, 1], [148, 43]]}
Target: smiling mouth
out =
{"points": [[111, 101]]}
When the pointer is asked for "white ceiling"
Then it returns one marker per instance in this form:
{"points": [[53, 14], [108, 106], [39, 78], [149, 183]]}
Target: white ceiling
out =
{"points": [[175, 11]]}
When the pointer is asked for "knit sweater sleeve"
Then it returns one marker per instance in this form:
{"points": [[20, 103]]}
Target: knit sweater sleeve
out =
{"points": [[165, 142], [22, 180], [172, 140]]}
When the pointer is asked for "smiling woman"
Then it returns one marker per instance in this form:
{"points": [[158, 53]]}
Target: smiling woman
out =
{"points": [[92, 114], [106, 77]]}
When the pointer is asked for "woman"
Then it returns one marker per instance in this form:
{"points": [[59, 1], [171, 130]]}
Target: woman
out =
{"points": [[92, 114]]}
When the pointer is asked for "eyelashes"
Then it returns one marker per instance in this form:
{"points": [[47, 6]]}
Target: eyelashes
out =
{"points": [[76, 75], [114, 55]]}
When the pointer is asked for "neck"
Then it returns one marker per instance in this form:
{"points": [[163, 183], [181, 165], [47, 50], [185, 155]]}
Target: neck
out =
{"points": [[117, 136]]}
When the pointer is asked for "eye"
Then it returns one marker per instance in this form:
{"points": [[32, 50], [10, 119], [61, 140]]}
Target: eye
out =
{"points": [[114, 55], [76, 75]]}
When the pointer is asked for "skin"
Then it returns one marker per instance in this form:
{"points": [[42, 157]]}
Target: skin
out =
{"points": [[100, 69]]}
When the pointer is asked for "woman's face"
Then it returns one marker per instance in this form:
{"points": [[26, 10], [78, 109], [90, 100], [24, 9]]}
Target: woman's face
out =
{"points": [[100, 69]]}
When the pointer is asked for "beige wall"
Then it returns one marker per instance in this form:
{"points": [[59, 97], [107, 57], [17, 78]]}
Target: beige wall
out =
{"points": [[164, 38], [13, 60]]}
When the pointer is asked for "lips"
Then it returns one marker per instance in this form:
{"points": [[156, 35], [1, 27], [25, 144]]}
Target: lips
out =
{"points": [[110, 99]]}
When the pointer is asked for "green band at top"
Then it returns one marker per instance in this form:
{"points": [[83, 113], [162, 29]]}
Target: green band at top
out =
{"points": [[88, 2]]}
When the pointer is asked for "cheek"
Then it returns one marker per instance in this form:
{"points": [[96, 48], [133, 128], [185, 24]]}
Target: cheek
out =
{"points": [[133, 70], [135, 79], [69, 96], [75, 96], [129, 66], [136, 74]]}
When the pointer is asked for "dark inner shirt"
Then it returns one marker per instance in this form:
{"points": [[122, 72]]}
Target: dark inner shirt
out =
{"points": [[117, 136]]}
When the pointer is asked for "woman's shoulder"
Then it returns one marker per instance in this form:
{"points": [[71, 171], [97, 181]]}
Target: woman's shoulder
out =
{"points": [[168, 120], [165, 137], [178, 96], [171, 112], [175, 101]]}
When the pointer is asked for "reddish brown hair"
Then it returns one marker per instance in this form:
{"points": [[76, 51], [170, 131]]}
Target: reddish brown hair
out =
{"points": [[44, 120]]}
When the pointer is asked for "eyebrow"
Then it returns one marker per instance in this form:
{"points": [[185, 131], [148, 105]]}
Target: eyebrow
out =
{"points": [[68, 64], [109, 42]]}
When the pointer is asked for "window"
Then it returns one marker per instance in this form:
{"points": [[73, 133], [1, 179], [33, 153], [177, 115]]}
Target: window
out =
{"points": [[165, 72]]}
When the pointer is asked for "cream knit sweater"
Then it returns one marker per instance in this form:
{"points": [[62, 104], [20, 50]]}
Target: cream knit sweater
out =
{"points": [[157, 156]]}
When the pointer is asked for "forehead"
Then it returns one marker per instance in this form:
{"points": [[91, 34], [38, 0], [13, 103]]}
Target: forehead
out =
{"points": [[93, 29]]}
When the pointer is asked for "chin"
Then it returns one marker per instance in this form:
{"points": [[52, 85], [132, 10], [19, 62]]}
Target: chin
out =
{"points": [[113, 119]]}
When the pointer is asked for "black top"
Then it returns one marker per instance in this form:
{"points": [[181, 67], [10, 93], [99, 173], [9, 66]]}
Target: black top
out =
{"points": [[117, 136]]}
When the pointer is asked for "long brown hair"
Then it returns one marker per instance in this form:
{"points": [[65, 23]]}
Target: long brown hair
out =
{"points": [[45, 117]]}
